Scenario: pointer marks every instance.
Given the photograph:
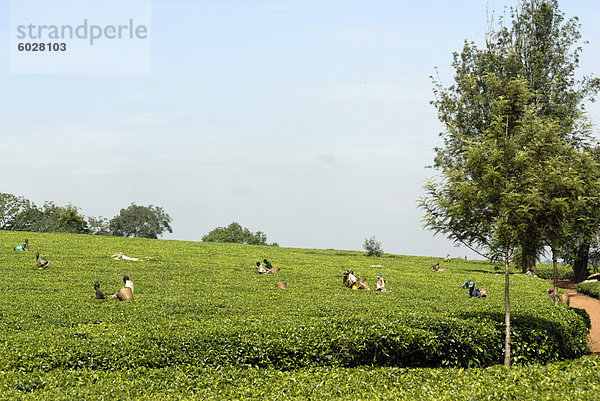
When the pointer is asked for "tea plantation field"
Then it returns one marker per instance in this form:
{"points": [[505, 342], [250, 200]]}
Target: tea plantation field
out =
{"points": [[203, 325]]}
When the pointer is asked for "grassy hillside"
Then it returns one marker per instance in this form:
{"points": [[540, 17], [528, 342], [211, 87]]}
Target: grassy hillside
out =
{"points": [[199, 307]]}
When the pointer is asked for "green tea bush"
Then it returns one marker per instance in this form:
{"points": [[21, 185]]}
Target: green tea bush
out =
{"points": [[571, 380], [591, 289], [202, 305], [586, 316], [546, 271]]}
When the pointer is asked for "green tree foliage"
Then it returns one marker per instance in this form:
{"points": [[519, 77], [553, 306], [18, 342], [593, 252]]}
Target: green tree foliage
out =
{"points": [[10, 206], [583, 238], [18, 213], [71, 221], [512, 120], [547, 44], [562, 184], [50, 218], [372, 246], [235, 233], [141, 221], [541, 48], [98, 225], [28, 219]]}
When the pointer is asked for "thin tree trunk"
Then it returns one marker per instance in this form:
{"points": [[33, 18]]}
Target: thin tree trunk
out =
{"points": [[506, 309], [555, 265]]}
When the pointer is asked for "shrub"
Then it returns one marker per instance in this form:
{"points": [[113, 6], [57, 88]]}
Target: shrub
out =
{"points": [[546, 271], [372, 246], [591, 289], [584, 315]]}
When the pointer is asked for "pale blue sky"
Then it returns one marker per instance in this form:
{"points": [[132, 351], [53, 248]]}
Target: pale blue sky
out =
{"points": [[308, 120]]}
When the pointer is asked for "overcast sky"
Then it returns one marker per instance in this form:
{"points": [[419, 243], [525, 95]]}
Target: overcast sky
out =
{"points": [[307, 120]]}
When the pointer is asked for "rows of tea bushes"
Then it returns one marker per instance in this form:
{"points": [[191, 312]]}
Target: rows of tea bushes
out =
{"points": [[202, 305], [546, 271], [570, 380]]}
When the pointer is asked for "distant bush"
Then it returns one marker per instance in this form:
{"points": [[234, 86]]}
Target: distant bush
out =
{"points": [[235, 233], [372, 246]]}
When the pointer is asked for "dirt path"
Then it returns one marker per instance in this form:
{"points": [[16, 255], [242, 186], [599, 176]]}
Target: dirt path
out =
{"points": [[591, 305]]}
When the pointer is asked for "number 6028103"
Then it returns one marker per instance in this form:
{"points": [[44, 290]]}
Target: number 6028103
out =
{"points": [[42, 47]]}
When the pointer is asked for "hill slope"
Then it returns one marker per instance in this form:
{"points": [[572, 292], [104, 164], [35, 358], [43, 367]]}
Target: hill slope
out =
{"points": [[201, 304]]}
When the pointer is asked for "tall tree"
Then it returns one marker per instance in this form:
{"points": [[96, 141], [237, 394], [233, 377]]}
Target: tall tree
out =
{"points": [[141, 221], [98, 225], [50, 218], [10, 206], [28, 219], [548, 47], [562, 185], [522, 80], [235, 233], [584, 230], [70, 221], [481, 199], [544, 51]]}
